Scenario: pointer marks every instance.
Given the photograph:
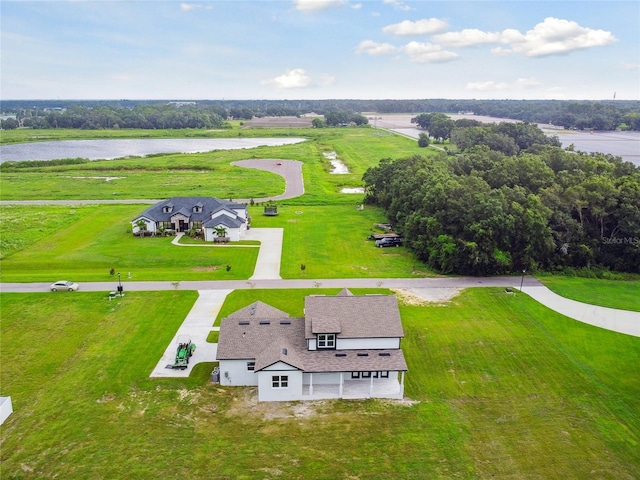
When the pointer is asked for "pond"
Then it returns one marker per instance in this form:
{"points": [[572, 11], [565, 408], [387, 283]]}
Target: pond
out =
{"points": [[110, 149]]}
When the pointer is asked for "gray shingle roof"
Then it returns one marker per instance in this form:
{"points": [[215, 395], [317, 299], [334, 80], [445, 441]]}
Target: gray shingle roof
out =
{"points": [[353, 316], [186, 204], [268, 335]]}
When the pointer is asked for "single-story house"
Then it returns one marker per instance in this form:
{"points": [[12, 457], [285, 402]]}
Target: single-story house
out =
{"points": [[345, 346], [180, 214]]}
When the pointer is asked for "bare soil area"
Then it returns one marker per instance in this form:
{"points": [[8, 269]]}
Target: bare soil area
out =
{"points": [[279, 122]]}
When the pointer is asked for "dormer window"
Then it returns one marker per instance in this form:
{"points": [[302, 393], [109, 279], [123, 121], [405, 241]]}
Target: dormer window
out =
{"points": [[327, 340], [168, 208], [197, 208]]}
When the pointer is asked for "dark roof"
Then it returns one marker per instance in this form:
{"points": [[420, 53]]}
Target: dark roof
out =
{"points": [[353, 316], [185, 206], [267, 335], [225, 220]]}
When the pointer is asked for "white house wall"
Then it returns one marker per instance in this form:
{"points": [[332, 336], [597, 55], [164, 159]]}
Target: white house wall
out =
{"points": [[361, 343], [232, 233], [151, 226], [266, 392], [234, 373], [367, 343], [241, 212]]}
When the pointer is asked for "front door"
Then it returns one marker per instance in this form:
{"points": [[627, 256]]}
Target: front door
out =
{"points": [[183, 226]]}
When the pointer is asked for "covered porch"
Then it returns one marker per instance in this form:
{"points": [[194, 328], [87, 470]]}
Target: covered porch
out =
{"points": [[348, 388]]}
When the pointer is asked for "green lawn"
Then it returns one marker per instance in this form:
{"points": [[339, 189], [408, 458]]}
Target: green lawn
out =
{"points": [[623, 294], [84, 243], [331, 241], [91, 244], [503, 388]]}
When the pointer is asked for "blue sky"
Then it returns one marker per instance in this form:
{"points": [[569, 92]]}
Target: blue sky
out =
{"points": [[319, 49]]}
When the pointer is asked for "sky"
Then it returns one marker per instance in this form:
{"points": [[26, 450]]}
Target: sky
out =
{"points": [[319, 49]]}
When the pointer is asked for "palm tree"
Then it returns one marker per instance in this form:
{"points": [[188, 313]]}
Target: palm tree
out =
{"points": [[142, 227], [220, 231]]}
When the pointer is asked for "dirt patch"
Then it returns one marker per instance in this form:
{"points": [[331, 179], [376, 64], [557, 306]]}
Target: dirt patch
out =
{"points": [[279, 122], [425, 296], [206, 269], [245, 403]]}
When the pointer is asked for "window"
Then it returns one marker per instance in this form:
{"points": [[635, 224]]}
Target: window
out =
{"points": [[326, 340], [166, 225], [366, 374], [280, 381], [355, 374], [197, 225], [251, 366], [384, 374]]}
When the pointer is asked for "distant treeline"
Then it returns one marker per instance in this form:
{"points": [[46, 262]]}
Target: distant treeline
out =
{"points": [[484, 212], [595, 115]]}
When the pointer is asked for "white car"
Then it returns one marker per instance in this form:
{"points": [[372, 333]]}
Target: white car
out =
{"points": [[64, 285]]}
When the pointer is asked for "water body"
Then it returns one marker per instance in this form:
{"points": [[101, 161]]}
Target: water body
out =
{"points": [[625, 145], [110, 149]]}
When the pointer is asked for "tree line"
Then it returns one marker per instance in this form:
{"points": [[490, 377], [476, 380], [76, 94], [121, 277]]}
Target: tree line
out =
{"points": [[538, 207], [595, 115]]}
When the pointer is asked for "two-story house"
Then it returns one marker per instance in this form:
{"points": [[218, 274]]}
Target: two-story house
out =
{"points": [[180, 214], [345, 346]]}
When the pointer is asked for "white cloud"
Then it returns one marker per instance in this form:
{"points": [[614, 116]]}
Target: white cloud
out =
{"points": [[556, 36], [553, 36], [316, 5], [491, 85], [296, 78], [631, 66], [374, 48], [398, 4], [420, 52], [186, 7], [420, 27], [467, 38]]}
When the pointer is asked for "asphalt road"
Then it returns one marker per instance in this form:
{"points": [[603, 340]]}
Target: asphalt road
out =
{"points": [[440, 282]]}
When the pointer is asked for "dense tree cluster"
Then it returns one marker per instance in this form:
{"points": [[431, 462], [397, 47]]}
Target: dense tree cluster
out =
{"points": [[142, 116], [484, 212], [596, 115], [343, 118]]}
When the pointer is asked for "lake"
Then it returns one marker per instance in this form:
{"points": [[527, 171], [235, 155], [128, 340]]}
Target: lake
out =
{"points": [[625, 145], [110, 149]]}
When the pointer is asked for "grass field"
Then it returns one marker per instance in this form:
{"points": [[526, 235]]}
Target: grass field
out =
{"points": [[624, 294], [500, 387], [84, 243], [99, 239], [210, 174]]}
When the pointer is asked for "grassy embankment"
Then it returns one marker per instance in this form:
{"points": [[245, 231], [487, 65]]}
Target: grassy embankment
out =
{"points": [[503, 388]]}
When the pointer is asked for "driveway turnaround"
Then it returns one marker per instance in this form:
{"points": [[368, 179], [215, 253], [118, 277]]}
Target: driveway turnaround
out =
{"points": [[197, 325]]}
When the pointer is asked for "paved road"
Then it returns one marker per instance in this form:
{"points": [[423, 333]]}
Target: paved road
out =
{"points": [[444, 282]]}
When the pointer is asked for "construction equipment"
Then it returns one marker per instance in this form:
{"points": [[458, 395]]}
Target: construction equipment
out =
{"points": [[184, 351]]}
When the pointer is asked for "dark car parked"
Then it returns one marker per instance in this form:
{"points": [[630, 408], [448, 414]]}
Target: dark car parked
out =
{"points": [[389, 242]]}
